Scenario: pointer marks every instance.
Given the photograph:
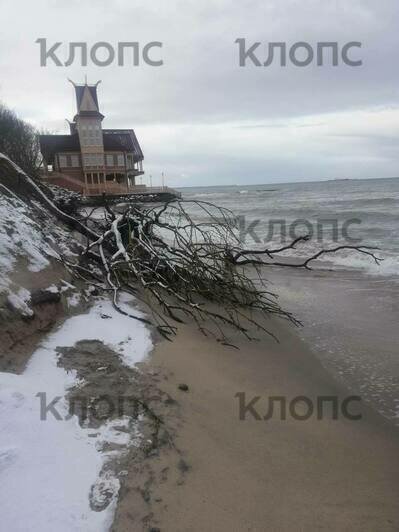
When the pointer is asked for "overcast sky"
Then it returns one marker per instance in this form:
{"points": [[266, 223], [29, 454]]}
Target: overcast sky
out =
{"points": [[201, 118]]}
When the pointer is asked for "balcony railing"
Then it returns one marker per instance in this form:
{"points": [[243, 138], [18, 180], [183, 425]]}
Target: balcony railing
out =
{"points": [[120, 188], [109, 187]]}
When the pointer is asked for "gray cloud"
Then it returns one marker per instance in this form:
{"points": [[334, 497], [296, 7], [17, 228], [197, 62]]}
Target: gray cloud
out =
{"points": [[203, 117]]}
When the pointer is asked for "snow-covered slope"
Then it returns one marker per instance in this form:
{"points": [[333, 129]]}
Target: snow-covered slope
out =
{"points": [[54, 473], [30, 238]]}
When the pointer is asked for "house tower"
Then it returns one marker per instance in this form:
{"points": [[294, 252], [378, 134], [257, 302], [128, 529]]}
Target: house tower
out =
{"points": [[88, 124]]}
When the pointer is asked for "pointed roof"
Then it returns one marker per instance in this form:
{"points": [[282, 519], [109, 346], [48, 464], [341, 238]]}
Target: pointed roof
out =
{"points": [[86, 99]]}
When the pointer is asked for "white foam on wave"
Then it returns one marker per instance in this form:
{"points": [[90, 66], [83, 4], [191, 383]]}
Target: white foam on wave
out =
{"points": [[206, 195], [389, 267]]}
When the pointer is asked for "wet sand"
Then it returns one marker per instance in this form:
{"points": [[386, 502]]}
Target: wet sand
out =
{"points": [[222, 473], [350, 324]]}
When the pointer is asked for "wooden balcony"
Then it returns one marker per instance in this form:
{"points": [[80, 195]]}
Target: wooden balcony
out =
{"points": [[111, 188]]}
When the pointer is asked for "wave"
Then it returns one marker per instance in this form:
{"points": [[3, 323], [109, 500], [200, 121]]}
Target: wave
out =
{"points": [[375, 208], [205, 195], [389, 267]]}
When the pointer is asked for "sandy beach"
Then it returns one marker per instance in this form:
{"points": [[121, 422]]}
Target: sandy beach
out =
{"points": [[185, 457], [199, 266], [223, 473]]}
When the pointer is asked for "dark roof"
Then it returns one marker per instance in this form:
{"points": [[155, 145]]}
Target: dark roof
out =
{"points": [[79, 90], [52, 144], [122, 139], [114, 140], [94, 114]]}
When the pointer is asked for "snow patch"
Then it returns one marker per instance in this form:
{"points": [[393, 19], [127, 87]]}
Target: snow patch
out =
{"points": [[74, 299], [27, 233], [19, 302], [52, 471]]}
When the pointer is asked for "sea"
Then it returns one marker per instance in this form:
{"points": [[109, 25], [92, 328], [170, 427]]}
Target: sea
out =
{"points": [[348, 304]]}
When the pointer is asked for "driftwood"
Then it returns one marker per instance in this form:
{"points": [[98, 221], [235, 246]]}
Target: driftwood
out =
{"points": [[180, 268]]}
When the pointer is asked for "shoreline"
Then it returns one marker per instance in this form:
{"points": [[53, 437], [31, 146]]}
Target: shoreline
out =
{"points": [[224, 473], [349, 323], [185, 461], [202, 468]]}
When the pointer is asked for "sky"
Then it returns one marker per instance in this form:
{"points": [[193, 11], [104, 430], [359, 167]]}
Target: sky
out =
{"points": [[200, 117]]}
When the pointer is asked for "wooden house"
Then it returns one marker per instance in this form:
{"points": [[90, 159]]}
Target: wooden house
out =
{"points": [[92, 160]]}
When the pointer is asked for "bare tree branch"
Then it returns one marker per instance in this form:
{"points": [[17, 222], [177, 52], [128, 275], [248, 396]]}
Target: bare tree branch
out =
{"points": [[182, 259]]}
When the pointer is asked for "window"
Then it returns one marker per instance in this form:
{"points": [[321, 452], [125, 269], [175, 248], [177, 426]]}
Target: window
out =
{"points": [[93, 159], [90, 134], [75, 161], [63, 161], [121, 160], [110, 160], [83, 139]]}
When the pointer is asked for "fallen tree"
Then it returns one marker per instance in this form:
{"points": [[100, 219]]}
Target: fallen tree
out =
{"points": [[178, 267]]}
